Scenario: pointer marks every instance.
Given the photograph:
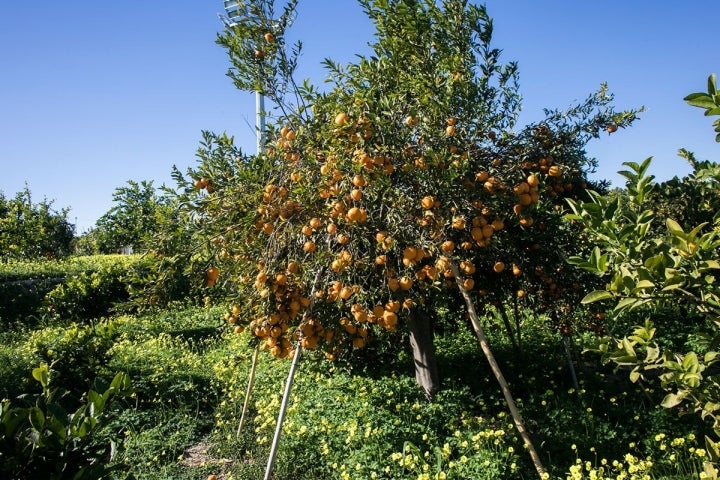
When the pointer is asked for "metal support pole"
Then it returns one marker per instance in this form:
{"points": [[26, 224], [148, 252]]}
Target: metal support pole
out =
{"points": [[248, 392], [283, 408], [260, 120], [289, 382]]}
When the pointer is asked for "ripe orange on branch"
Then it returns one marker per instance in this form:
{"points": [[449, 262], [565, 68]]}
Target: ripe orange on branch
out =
{"points": [[211, 276], [356, 215], [341, 119], [448, 246], [359, 181], [427, 202], [554, 171], [411, 121], [212, 273]]}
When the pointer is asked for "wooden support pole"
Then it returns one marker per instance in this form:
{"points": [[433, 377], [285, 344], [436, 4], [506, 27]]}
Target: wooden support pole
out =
{"points": [[480, 333]]}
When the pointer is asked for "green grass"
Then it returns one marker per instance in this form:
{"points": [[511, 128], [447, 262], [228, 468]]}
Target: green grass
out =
{"points": [[358, 420]]}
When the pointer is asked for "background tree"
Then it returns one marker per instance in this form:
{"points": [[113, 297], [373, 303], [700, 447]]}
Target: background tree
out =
{"points": [[33, 230], [138, 211], [689, 200]]}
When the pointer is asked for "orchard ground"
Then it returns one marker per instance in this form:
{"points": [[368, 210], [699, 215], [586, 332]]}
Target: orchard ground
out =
{"points": [[361, 419]]}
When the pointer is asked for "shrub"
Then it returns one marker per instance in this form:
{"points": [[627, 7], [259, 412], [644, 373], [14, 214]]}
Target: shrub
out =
{"points": [[92, 294], [43, 440], [31, 230], [77, 288], [20, 300]]}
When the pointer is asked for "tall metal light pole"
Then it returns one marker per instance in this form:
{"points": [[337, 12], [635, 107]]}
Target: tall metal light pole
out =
{"points": [[236, 11]]}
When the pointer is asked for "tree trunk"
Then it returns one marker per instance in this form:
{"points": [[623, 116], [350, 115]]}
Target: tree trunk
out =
{"points": [[421, 340], [571, 365], [509, 329]]}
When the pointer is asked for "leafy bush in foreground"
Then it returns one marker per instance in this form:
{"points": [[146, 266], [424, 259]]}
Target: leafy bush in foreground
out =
{"points": [[44, 440]]}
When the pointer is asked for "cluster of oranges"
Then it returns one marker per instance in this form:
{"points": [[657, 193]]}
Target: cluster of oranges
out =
{"points": [[286, 144], [288, 303], [527, 194], [275, 205], [324, 203], [353, 130]]}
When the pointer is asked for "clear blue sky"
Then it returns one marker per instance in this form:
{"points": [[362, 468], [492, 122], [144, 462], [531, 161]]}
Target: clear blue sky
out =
{"points": [[94, 93]]}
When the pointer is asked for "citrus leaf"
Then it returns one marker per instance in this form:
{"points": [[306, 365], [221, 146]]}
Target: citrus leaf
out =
{"points": [[701, 100], [644, 284], [596, 296], [673, 399], [674, 227]]}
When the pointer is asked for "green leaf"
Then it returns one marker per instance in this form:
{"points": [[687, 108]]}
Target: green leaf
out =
{"points": [[628, 346], [576, 260], [57, 428], [596, 296], [121, 382], [692, 380], [42, 374], [56, 411], [674, 228], [633, 165], [711, 264], [634, 376], [96, 401], [690, 362], [713, 449], [628, 279], [646, 217], [644, 284], [652, 354], [712, 84], [626, 303], [710, 357], [603, 263], [624, 359], [710, 407], [673, 399], [571, 216], [701, 100], [36, 417]]}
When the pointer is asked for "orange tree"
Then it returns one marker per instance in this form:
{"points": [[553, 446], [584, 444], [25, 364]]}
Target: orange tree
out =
{"points": [[30, 230], [401, 187], [406, 165]]}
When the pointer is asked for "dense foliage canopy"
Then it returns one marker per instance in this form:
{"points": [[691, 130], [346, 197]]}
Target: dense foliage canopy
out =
{"points": [[31, 229]]}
